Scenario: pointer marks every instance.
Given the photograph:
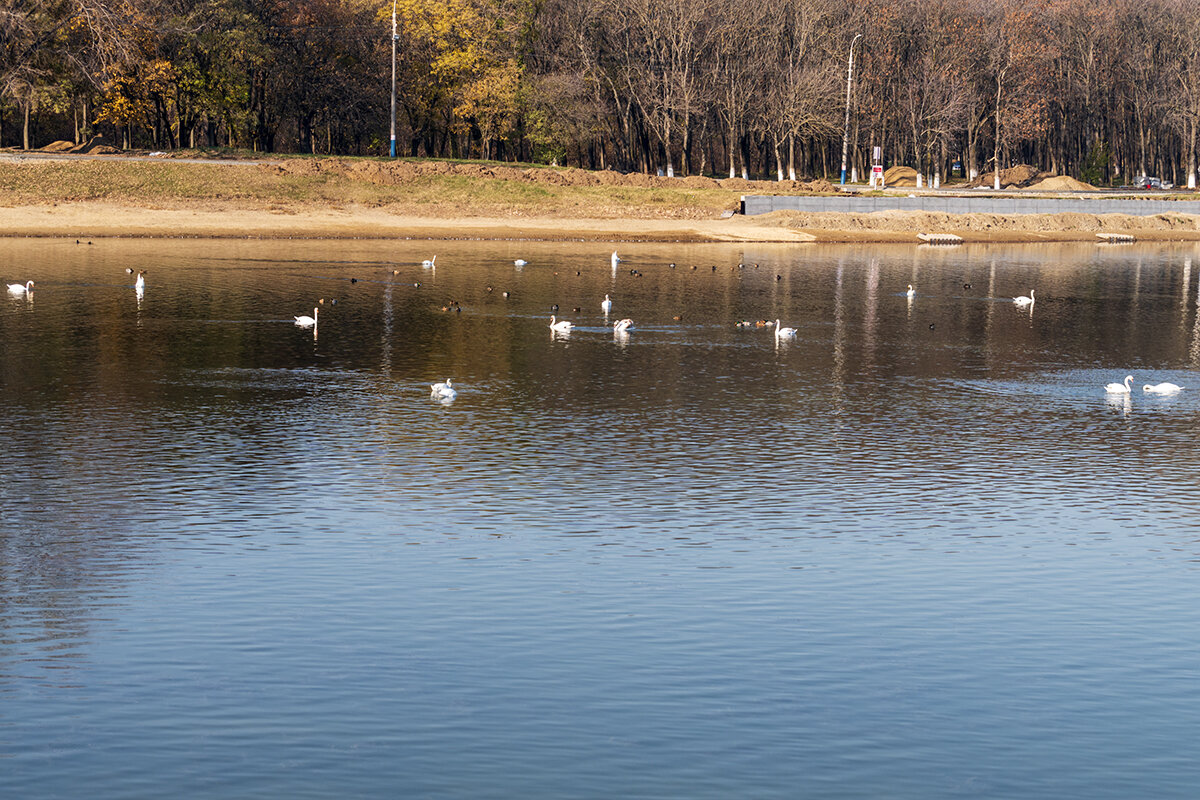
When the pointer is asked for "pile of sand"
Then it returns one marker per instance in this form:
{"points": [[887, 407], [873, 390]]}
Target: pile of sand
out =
{"points": [[1062, 183], [1020, 176], [397, 173], [900, 176], [58, 147]]}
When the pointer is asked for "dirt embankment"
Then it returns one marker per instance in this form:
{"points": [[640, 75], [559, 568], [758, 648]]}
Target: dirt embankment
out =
{"points": [[904, 225], [396, 173]]}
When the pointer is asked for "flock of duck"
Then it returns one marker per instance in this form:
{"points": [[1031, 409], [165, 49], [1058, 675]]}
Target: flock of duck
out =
{"points": [[445, 391]]}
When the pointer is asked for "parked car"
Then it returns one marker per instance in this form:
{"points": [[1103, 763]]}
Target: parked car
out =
{"points": [[1146, 182]]}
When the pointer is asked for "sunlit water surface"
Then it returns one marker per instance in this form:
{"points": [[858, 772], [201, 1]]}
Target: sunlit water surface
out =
{"points": [[915, 552]]}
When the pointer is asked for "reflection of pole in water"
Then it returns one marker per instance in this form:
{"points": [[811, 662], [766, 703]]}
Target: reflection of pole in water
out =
{"points": [[1195, 348], [871, 314], [385, 349], [1187, 280]]}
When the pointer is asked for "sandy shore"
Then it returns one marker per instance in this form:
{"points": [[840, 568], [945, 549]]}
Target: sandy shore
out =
{"points": [[98, 220]]}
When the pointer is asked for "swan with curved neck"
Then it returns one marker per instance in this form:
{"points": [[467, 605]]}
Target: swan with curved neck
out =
{"points": [[620, 326], [19, 288], [606, 306], [782, 332], [911, 292], [1162, 388], [308, 322], [443, 391], [1120, 388], [560, 326]]}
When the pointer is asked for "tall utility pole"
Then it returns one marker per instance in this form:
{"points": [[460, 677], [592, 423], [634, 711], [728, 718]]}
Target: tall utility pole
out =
{"points": [[394, 39], [846, 133]]}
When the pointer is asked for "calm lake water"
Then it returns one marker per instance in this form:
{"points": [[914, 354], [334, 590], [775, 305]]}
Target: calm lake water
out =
{"points": [[915, 552]]}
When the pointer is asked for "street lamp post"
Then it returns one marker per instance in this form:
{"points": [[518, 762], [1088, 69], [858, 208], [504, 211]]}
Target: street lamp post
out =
{"points": [[846, 132], [394, 38]]}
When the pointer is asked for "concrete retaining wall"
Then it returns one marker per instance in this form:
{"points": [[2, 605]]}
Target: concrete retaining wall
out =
{"points": [[763, 204]]}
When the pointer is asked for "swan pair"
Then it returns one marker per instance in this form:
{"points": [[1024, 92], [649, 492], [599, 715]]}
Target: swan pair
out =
{"points": [[623, 325], [1149, 388], [443, 391], [19, 288]]}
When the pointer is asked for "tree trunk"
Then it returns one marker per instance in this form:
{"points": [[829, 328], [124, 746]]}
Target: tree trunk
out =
{"points": [[1191, 154], [996, 154], [28, 106]]}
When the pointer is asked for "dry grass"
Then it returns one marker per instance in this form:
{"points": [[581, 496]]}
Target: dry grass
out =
{"points": [[438, 189]]}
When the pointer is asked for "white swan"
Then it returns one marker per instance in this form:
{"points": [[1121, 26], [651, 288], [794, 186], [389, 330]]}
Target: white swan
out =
{"points": [[1023, 300], [520, 262], [623, 325], [911, 291], [140, 283], [308, 322], [1162, 388], [1120, 388], [17, 288], [606, 306], [782, 332], [616, 259], [429, 262], [561, 326], [443, 391]]}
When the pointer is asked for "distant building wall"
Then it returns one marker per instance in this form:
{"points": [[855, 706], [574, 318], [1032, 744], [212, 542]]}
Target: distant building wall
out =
{"points": [[764, 204]]}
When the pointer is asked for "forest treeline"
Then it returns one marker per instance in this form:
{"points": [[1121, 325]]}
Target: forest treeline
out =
{"points": [[756, 88]]}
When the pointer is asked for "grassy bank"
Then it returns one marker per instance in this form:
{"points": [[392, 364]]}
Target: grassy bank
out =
{"points": [[431, 189]]}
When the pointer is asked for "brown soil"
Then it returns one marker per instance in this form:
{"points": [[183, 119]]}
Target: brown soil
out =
{"points": [[397, 173], [1020, 176], [1062, 183], [900, 177]]}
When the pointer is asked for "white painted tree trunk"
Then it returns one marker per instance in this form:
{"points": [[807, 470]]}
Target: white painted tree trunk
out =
{"points": [[670, 170], [920, 180], [745, 173], [937, 179], [854, 174], [974, 173]]}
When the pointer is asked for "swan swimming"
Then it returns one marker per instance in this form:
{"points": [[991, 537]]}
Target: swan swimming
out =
{"points": [[911, 292], [616, 259], [606, 306], [782, 332], [561, 326], [429, 262], [140, 283], [1120, 388], [622, 325], [1162, 388], [443, 391], [1023, 300], [520, 262], [308, 322], [17, 288]]}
